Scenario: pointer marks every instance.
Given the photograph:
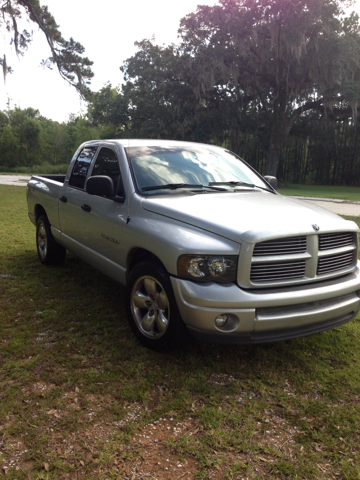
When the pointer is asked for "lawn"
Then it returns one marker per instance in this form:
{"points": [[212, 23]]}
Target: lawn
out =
{"points": [[81, 399], [324, 191]]}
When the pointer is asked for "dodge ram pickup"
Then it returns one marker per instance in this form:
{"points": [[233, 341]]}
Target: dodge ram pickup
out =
{"points": [[202, 242]]}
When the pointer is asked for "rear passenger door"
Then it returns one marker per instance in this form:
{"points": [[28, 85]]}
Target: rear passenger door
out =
{"points": [[93, 224], [73, 202]]}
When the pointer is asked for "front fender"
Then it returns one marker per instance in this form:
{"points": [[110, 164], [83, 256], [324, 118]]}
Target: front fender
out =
{"points": [[167, 239]]}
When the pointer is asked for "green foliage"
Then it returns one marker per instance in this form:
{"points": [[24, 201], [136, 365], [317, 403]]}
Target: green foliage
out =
{"points": [[158, 101], [28, 140], [44, 168], [276, 60], [161, 104], [109, 109], [9, 146]]}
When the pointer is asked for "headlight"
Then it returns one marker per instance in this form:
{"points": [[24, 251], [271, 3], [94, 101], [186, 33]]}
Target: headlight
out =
{"points": [[207, 268]]}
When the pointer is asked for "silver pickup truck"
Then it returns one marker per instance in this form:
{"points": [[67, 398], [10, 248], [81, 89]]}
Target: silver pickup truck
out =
{"points": [[203, 243]]}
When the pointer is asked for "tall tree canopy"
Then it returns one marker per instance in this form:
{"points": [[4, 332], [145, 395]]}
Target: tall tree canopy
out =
{"points": [[276, 59], [66, 55], [160, 103], [157, 100]]}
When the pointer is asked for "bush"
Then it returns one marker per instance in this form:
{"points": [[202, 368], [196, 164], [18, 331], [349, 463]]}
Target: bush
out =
{"points": [[45, 168]]}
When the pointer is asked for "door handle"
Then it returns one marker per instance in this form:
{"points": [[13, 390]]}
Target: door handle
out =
{"points": [[63, 199], [86, 208]]}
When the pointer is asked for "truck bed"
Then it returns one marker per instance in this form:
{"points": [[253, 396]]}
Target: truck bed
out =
{"points": [[55, 178]]}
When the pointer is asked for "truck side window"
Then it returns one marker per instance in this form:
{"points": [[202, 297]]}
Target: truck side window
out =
{"points": [[107, 164], [81, 167]]}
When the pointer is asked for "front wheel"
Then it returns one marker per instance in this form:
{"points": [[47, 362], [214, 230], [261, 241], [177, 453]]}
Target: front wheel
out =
{"points": [[152, 310], [49, 252]]}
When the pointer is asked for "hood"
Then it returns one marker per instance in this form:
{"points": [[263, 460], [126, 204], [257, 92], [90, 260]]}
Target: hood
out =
{"points": [[250, 216]]}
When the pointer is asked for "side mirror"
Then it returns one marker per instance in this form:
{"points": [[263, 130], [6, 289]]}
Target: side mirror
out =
{"points": [[100, 185], [272, 181]]}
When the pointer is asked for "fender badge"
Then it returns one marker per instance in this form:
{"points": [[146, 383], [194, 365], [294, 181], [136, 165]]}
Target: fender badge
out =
{"points": [[316, 227], [110, 239]]}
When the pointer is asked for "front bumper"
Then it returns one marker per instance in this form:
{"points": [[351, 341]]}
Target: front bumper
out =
{"points": [[266, 315]]}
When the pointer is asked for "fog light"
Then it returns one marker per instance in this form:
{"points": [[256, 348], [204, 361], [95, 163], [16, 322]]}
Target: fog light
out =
{"points": [[221, 320]]}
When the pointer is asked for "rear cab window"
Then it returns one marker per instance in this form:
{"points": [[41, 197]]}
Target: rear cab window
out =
{"points": [[81, 167]]}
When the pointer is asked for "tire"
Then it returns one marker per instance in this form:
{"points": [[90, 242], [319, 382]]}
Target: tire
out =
{"points": [[151, 307], [49, 252]]}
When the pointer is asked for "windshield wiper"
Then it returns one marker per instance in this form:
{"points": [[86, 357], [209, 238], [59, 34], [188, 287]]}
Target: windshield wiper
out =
{"points": [[244, 184], [175, 186]]}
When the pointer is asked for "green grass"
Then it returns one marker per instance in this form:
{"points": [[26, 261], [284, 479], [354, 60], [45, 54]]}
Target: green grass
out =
{"points": [[80, 398], [324, 191]]}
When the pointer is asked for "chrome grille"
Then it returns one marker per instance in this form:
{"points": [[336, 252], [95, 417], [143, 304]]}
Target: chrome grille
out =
{"points": [[281, 246], [334, 263], [267, 272], [296, 260], [329, 241]]}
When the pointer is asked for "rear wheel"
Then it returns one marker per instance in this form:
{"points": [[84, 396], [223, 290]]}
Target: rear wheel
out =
{"points": [[152, 310], [49, 252]]}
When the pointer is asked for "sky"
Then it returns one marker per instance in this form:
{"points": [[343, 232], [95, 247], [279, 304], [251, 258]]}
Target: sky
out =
{"points": [[107, 29]]}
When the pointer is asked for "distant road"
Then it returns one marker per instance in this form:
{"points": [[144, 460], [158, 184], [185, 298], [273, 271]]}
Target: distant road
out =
{"points": [[20, 180], [342, 207]]}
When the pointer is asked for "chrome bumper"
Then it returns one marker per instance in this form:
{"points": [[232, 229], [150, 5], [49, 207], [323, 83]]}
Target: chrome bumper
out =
{"points": [[266, 315]]}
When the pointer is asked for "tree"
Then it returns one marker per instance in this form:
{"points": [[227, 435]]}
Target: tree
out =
{"points": [[66, 55], [9, 147], [161, 104], [157, 100], [276, 60], [23, 133], [29, 134], [109, 108]]}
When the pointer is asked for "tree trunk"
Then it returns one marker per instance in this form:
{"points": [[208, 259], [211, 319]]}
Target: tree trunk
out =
{"points": [[272, 160], [278, 133], [307, 154], [281, 128]]}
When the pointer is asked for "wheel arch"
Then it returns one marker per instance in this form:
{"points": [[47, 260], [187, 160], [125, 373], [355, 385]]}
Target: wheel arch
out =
{"points": [[139, 255], [39, 210]]}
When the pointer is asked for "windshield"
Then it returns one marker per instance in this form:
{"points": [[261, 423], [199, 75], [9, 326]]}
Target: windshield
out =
{"points": [[156, 166]]}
